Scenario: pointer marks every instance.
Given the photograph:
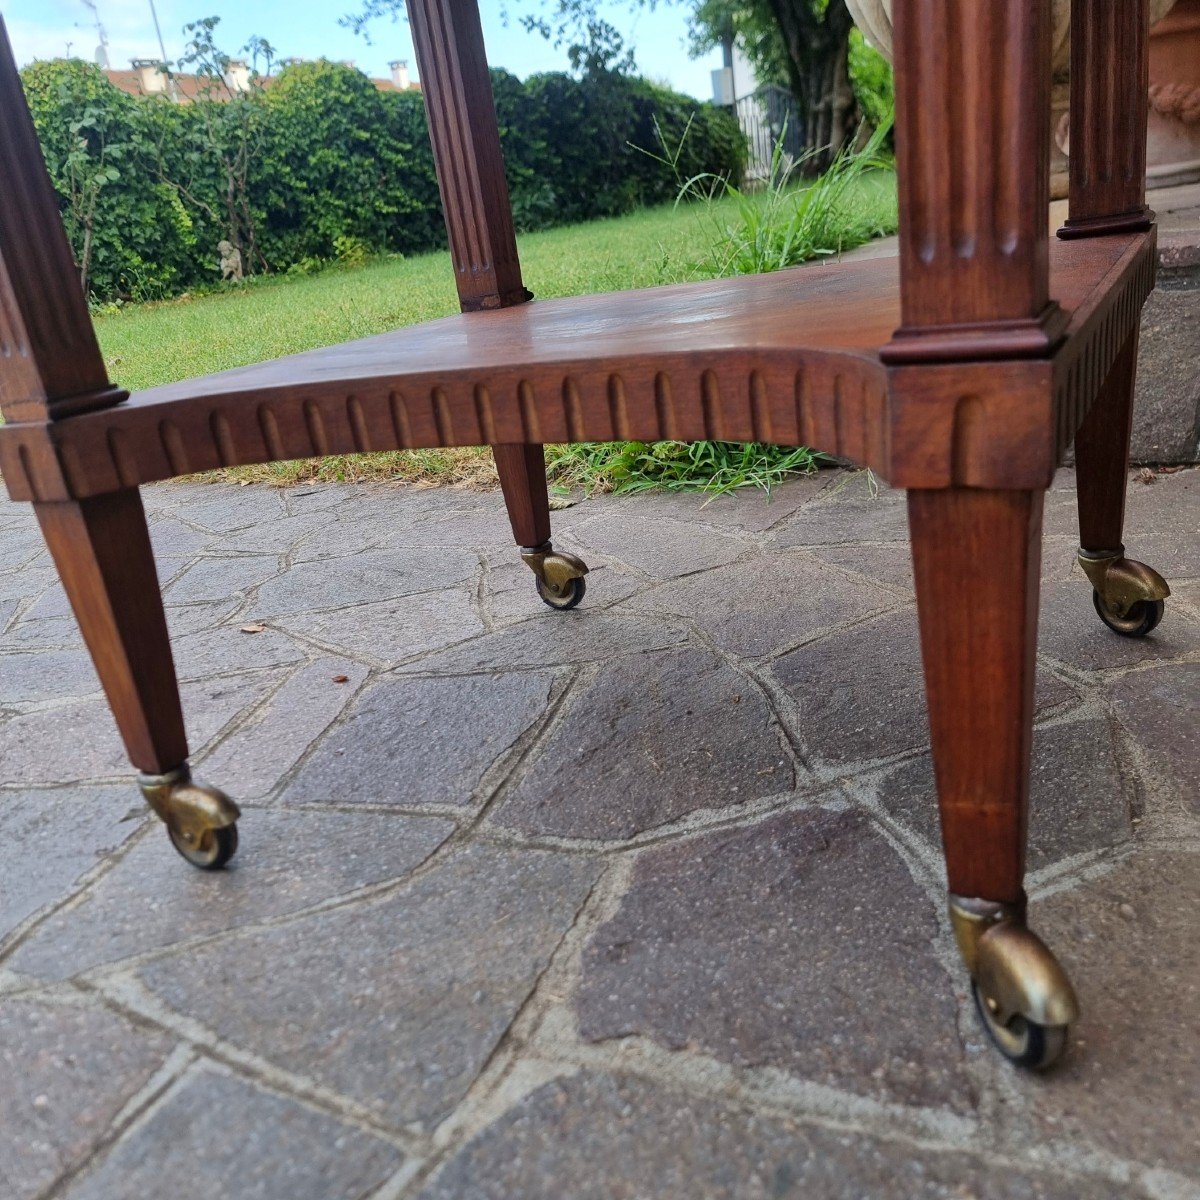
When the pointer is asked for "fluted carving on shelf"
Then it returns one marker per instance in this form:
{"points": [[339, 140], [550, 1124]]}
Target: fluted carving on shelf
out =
{"points": [[448, 40], [1008, 424], [984, 424], [1081, 370], [49, 360], [1109, 103], [974, 180], [833, 403]]}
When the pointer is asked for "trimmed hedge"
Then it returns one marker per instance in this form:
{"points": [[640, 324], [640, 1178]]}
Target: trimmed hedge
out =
{"points": [[322, 165]]}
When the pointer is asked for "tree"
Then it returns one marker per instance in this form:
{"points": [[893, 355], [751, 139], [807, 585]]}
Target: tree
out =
{"points": [[803, 44], [89, 167], [128, 233], [228, 134]]}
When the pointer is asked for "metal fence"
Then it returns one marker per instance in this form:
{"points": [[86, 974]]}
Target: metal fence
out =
{"points": [[768, 117]]}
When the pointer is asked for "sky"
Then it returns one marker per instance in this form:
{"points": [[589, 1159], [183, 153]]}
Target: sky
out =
{"points": [[310, 29]]}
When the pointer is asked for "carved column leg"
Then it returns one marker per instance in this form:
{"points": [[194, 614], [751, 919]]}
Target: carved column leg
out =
{"points": [[522, 471], [976, 556], [1129, 596], [101, 547]]}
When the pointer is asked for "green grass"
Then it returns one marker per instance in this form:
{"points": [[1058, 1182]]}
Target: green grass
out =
{"points": [[151, 344]]}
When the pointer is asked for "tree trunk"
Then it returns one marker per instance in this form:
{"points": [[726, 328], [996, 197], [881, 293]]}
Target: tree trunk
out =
{"points": [[837, 101], [89, 234], [818, 52]]}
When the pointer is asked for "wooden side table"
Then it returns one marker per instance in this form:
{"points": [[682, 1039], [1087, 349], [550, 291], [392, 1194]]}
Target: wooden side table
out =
{"points": [[961, 372]]}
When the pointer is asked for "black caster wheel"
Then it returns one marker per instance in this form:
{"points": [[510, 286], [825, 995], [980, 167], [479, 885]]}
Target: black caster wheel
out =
{"points": [[1023, 1042], [1141, 618], [213, 850], [569, 597]]}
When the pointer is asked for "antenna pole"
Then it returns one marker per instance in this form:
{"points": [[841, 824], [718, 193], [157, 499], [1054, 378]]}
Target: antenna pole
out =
{"points": [[102, 49], [162, 49]]}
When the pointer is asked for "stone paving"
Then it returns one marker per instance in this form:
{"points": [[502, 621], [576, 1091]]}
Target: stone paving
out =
{"points": [[640, 901]]}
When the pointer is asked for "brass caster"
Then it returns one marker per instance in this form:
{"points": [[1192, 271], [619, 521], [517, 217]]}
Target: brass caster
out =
{"points": [[559, 576], [201, 821], [1129, 596], [1023, 995]]}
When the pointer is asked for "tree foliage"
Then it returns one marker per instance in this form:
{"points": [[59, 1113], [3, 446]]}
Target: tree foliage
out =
{"points": [[322, 166], [130, 232], [805, 45]]}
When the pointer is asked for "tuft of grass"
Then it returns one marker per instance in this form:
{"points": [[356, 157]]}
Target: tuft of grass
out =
{"points": [[714, 467], [791, 222], [461, 467]]}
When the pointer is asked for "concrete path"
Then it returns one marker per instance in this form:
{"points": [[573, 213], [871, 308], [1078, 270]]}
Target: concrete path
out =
{"points": [[638, 902]]}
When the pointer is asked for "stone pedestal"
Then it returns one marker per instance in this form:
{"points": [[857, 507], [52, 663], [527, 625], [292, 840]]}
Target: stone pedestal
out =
{"points": [[1173, 147]]}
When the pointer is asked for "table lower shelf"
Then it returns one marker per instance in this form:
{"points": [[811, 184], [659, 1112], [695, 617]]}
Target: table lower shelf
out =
{"points": [[790, 358]]}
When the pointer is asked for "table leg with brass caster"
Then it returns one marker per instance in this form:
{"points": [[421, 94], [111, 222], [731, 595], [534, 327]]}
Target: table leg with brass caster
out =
{"points": [[982, 547], [1022, 994], [201, 821], [101, 547], [559, 576], [1129, 596]]}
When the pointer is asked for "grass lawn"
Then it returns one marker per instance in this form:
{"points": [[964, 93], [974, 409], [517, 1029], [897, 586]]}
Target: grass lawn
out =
{"points": [[151, 344]]}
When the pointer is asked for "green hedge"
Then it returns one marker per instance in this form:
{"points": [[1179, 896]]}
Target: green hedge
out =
{"points": [[321, 165]]}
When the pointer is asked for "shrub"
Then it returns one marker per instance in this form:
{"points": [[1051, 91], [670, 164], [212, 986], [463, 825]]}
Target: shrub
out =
{"points": [[334, 164], [321, 167], [575, 149], [872, 81], [132, 236]]}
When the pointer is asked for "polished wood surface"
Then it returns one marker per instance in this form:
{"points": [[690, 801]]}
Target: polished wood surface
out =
{"points": [[457, 89], [465, 136], [961, 371], [51, 362], [976, 562], [101, 548], [972, 147], [522, 471], [1110, 80], [1102, 455]]}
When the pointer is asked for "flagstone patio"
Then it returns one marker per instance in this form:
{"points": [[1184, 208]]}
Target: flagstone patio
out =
{"points": [[635, 902]]}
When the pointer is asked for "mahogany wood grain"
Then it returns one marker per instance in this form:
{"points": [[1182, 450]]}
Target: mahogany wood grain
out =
{"points": [[789, 358], [1110, 80], [976, 558], [972, 147], [101, 547], [475, 202], [1102, 455], [1096, 335], [522, 471], [50, 364], [448, 40]]}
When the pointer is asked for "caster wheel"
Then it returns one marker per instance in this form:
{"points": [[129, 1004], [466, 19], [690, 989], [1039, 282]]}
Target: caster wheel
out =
{"points": [[569, 597], [214, 849], [1023, 1042], [1137, 622]]}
